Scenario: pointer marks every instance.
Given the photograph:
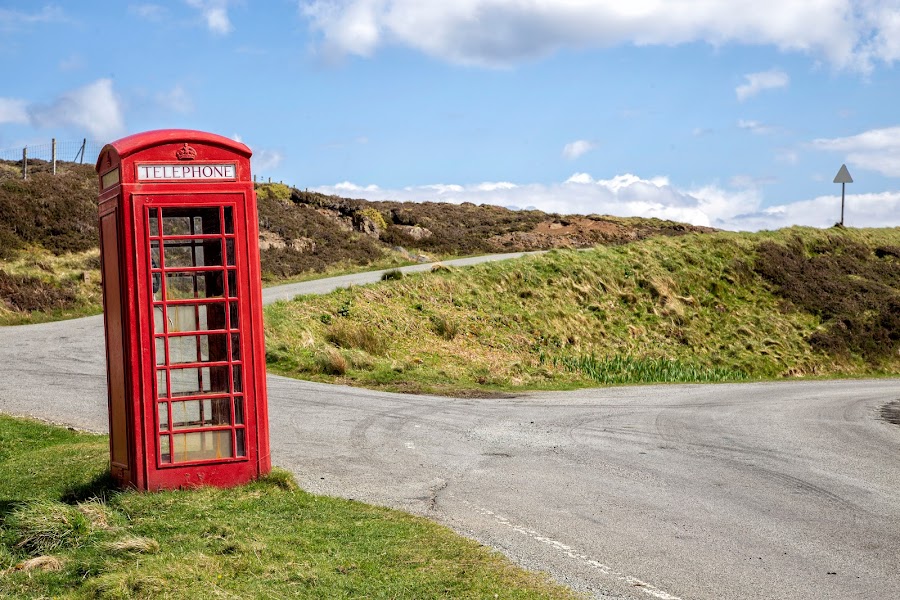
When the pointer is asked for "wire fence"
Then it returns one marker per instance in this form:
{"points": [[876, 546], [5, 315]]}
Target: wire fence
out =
{"points": [[80, 151]]}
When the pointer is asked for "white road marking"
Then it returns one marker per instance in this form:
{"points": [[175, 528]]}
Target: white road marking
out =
{"points": [[410, 445], [571, 553]]}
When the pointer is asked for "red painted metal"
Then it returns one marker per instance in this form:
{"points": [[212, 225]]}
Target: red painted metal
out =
{"points": [[182, 311]]}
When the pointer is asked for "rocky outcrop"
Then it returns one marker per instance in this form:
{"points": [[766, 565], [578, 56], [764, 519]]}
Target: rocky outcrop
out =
{"points": [[415, 232], [269, 240]]}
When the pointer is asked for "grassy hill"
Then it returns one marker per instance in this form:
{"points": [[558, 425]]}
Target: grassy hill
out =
{"points": [[49, 261], [717, 307]]}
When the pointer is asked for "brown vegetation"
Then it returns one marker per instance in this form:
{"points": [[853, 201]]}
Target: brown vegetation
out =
{"points": [[26, 294], [853, 288], [57, 212]]}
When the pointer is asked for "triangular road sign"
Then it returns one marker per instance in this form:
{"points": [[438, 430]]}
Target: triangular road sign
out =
{"points": [[843, 176]]}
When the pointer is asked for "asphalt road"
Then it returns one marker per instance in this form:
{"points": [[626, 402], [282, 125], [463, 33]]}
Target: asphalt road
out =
{"points": [[775, 490]]}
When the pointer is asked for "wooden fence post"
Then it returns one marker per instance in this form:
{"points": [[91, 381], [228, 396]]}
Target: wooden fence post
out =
{"points": [[53, 154], [25, 162]]}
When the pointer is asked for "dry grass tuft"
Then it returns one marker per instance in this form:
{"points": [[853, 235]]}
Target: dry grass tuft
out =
{"points": [[347, 334], [40, 563], [134, 545], [331, 362], [97, 514]]}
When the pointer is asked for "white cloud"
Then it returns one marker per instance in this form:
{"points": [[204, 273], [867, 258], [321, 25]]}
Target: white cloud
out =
{"points": [[73, 63], [492, 186], [264, 160], [755, 126], [757, 82], [176, 100], [873, 150], [346, 186], [13, 111], [573, 150], [215, 14], [863, 210], [751, 181], [631, 195], [845, 33], [787, 156], [94, 108], [13, 20], [150, 12]]}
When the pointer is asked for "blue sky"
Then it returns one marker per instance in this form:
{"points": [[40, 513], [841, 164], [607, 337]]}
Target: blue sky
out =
{"points": [[732, 114]]}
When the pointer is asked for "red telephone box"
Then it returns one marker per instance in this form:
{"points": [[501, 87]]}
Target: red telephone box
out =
{"points": [[183, 311]]}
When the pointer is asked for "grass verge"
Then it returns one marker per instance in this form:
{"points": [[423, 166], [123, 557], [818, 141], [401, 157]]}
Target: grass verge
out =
{"points": [[66, 533]]}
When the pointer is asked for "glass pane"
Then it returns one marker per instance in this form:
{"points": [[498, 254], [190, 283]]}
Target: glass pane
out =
{"points": [[235, 346], [184, 318], [233, 315], [165, 454], [229, 252], [236, 372], [160, 351], [180, 286], [175, 225], [158, 319], [229, 225], [161, 388], [202, 445], [210, 316], [239, 435], [208, 412], [154, 223], [212, 249], [191, 221], [188, 349], [232, 284], [197, 348], [199, 284], [239, 411], [184, 253], [196, 381], [155, 278], [163, 410]]}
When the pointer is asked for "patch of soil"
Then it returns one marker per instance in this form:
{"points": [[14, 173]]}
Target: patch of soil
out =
{"points": [[891, 412], [482, 394], [577, 231]]}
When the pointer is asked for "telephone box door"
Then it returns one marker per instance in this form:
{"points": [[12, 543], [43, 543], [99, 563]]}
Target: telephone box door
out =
{"points": [[198, 309]]}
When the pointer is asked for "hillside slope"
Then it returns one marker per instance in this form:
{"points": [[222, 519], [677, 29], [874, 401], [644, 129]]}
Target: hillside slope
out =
{"points": [[49, 265], [719, 307]]}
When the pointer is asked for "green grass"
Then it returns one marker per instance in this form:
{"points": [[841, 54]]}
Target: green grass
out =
{"points": [[695, 308], [66, 533], [625, 369]]}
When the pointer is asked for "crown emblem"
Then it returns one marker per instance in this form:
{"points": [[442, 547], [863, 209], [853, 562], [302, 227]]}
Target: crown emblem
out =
{"points": [[186, 153]]}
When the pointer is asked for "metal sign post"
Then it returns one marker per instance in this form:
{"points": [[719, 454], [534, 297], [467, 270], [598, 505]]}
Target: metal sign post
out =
{"points": [[843, 178]]}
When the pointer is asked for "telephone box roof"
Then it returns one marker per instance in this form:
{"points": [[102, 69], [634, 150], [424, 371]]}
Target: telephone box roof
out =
{"points": [[139, 141]]}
